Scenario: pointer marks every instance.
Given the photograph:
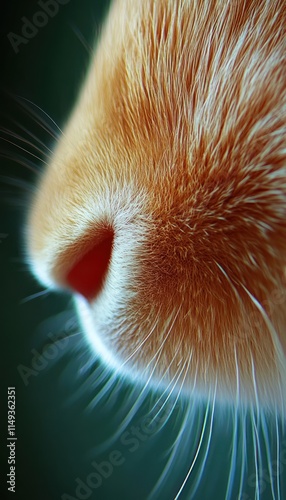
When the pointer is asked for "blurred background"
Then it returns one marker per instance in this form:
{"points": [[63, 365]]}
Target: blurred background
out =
{"points": [[66, 404]]}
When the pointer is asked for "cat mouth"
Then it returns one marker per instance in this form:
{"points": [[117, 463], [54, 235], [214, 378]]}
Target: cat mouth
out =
{"points": [[87, 275]]}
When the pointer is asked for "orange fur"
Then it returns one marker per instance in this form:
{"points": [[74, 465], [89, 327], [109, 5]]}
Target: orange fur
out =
{"points": [[177, 142]]}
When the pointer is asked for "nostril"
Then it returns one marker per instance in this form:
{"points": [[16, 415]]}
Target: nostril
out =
{"points": [[87, 275]]}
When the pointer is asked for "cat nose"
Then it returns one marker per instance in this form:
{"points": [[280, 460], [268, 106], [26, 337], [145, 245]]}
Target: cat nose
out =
{"points": [[87, 275]]}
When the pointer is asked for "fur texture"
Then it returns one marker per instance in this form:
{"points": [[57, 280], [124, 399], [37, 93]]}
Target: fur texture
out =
{"points": [[177, 144]]}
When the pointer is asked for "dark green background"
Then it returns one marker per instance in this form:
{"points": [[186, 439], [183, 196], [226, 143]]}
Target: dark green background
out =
{"points": [[58, 430]]}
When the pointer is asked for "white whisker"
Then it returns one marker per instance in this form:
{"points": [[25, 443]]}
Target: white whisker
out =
{"points": [[24, 140], [199, 448], [35, 296], [34, 137], [20, 99], [23, 149]]}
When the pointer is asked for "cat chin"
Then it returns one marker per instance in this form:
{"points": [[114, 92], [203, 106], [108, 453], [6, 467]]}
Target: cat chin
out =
{"points": [[271, 398], [84, 313]]}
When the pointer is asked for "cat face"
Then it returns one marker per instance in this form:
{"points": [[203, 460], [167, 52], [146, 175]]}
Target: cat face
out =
{"points": [[163, 208]]}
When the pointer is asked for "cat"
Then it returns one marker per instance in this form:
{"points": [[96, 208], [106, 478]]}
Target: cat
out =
{"points": [[163, 208]]}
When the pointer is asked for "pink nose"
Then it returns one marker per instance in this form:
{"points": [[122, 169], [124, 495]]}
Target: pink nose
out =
{"points": [[87, 275]]}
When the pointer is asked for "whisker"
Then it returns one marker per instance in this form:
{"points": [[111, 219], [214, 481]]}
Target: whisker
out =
{"points": [[128, 417], [175, 451], [280, 359], [35, 296], [165, 338], [243, 454], [157, 354], [266, 437], [23, 149], [32, 135], [43, 125], [82, 39], [13, 181], [277, 458], [229, 281], [105, 389], [26, 106], [237, 378], [142, 342], [24, 162], [21, 98], [146, 385], [202, 465], [176, 377], [23, 139], [233, 471], [92, 382], [166, 390], [194, 461], [173, 384], [255, 386], [257, 453], [176, 446]]}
